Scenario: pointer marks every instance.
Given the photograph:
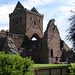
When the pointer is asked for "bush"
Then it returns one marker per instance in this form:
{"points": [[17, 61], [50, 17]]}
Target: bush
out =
{"points": [[72, 68], [11, 64]]}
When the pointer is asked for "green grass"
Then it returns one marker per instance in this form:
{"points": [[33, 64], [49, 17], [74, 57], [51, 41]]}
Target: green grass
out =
{"points": [[48, 66], [35, 66]]}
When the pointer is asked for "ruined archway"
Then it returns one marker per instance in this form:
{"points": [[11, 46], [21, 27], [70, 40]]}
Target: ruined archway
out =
{"points": [[31, 47], [35, 44], [35, 41], [36, 36]]}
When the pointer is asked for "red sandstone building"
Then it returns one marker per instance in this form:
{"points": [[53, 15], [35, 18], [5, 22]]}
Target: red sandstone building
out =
{"points": [[27, 24]]}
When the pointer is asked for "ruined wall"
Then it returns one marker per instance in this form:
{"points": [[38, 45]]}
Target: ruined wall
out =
{"points": [[53, 42], [66, 46], [55, 46], [26, 24], [17, 38]]}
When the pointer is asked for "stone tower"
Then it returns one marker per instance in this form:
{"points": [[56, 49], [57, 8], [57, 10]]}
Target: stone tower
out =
{"points": [[46, 48], [26, 22]]}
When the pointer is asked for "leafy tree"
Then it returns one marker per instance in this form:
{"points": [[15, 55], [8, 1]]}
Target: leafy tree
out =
{"points": [[71, 30], [7, 31], [2, 30], [72, 68]]}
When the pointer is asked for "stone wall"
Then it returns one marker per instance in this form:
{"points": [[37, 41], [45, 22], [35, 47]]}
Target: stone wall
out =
{"points": [[17, 38], [34, 24], [53, 42], [26, 24]]}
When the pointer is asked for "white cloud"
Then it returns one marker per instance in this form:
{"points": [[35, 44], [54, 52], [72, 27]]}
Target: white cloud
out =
{"points": [[45, 25], [4, 13], [71, 2], [5, 10], [32, 3], [5, 27]]}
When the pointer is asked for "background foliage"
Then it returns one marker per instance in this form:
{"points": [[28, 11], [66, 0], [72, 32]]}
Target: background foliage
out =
{"points": [[72, 69]]}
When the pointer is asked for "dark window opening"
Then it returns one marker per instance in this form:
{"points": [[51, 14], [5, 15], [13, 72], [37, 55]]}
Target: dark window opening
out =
{"points": [[61, 44], [51, 53], [56, 58], [30, 18], [17, 22], [13, 19], [41, 46], [39, 21], [34, 22], [21, 18]]}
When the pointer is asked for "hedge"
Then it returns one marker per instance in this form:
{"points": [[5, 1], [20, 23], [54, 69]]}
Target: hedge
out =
{"points": [[12, 64]]}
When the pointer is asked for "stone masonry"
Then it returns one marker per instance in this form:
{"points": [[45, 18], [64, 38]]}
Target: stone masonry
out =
{"points": [[28, 24]]}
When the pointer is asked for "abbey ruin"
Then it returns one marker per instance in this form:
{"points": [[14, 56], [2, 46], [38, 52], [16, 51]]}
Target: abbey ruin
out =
{"points": [[28, 24]]}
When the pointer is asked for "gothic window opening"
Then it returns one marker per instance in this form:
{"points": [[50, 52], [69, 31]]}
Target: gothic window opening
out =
{"points": [[41, 46], [34, 22], [39, 21], [34, 39], [30, 18], [56, 58], [21, 18], [17, 23], [61, 44], [51, 52], [13, 20]]}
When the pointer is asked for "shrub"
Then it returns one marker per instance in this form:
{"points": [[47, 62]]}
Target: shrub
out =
{"points": [[11, 64], [72, 68]]}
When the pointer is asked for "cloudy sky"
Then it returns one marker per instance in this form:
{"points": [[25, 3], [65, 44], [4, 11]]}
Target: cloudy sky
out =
{"points": [[52, 9]]}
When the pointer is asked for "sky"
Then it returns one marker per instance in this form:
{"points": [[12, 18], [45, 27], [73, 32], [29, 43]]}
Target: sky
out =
{"points": [[51, 9]]}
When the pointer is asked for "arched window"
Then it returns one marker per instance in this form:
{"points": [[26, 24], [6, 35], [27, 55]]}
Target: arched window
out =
{"points": [[56, 58], [13, 20], [21, 18], [41, 46], [34, 22], [33, 39], [51, 52], [39, 21], [30, 18], [17, 23]]}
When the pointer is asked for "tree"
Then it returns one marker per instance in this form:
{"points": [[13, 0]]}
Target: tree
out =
{"points": [[7, 31], [2, 30], [71, 30]]}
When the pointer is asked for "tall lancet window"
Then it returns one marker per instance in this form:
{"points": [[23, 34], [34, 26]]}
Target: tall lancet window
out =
{"points": [[51, 52], [34, 22]]}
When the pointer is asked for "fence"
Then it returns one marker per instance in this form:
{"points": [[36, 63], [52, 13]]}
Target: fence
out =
{"points": [[61, 70]]}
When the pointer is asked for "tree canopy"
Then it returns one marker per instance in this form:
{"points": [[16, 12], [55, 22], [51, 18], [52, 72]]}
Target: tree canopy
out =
{"points": [[4, 30], [71, 31]]}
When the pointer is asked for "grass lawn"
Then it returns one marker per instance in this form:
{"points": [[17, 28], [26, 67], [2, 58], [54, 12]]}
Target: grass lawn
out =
{"points": [[49, 65]]}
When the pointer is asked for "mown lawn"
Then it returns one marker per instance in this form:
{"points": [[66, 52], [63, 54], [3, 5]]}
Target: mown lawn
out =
{"points": [[48, 65]]}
